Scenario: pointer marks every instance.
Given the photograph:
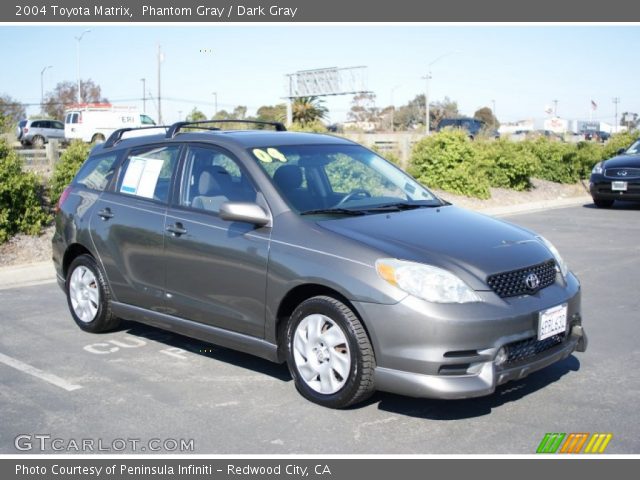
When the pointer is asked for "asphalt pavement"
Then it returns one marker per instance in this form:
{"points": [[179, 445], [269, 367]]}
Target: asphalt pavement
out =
{"points": [[138, 384]]}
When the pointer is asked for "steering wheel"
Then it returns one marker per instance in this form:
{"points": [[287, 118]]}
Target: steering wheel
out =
{"points": [[353, 193]]}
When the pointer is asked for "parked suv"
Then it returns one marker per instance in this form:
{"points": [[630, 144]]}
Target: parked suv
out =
{"points": [[472, 126], [39, 132], [312, 250]]}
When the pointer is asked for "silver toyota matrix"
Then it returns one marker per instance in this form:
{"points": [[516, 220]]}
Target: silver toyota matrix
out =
{"points": [[312, 250]]}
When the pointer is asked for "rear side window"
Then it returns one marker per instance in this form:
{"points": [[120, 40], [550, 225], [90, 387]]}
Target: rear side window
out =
{"points": [[146, 173], [36, 125], [97, 171]]}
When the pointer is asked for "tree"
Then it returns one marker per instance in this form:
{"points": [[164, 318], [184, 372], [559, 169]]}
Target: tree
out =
{"points": [[485, 115], [439, 110], [222, 115], [239, 113], [11, 112], [65, 94], [275, 113], [306, 110], [410, 115], [363, 109], [196, 115]]}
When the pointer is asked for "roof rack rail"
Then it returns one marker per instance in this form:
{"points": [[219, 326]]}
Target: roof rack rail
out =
{"points": [[116, 136], [176, 127]]}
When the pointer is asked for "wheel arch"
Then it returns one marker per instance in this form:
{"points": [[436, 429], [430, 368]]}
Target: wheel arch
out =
{"points": [[298, 294], [72, 252]]}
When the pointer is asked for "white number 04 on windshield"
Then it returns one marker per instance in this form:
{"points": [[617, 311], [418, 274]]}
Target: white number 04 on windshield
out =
{"points": [[552, 321]]}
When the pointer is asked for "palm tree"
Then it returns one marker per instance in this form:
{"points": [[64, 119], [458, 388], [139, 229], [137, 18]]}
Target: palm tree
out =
{"points": [[307, 110]]}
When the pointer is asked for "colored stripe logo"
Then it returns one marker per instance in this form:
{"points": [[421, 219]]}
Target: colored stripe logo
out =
{"points": [[574, 443]]}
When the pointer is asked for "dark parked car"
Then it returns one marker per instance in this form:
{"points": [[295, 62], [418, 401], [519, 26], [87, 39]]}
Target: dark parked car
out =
{"points": [[617, 178], [311, 250], [473, 127], [39, 132]]}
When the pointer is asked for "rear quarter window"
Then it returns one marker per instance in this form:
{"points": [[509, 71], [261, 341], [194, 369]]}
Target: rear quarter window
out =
{"points": [[97, 171]]}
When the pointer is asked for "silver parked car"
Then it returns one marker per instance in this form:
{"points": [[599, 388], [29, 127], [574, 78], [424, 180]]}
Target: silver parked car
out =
{"points": [[315, 251], [39, 132]]}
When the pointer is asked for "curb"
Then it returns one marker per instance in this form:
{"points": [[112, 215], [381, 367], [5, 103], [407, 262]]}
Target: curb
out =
{"points": [[27, 275], [41, 273], [533, 207]]}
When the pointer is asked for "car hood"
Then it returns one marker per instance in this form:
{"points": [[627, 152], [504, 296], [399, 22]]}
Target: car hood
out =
{"points": [[469, 244], [620, 161]]}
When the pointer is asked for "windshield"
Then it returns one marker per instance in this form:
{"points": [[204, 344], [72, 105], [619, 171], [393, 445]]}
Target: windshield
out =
{"points": [[634, 149], [341, 178]]}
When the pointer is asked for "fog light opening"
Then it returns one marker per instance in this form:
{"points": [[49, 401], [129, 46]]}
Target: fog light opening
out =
{"points": [[501, 357]]}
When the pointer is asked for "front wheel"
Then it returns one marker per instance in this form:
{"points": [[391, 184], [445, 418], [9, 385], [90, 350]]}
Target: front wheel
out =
{"points": [[89, 297], [602, 203], [329, 353]]}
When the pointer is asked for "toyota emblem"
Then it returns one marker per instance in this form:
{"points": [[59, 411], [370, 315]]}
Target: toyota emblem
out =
{"points": [[532, 281], [622, 173]]}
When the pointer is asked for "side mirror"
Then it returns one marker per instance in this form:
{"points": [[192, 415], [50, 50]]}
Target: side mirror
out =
{"points": [[244, 212], [621, 151]]}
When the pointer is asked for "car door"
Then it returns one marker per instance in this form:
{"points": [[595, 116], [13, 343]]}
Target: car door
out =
{"points": [[56, 130], [128, 225], [216, 270]]}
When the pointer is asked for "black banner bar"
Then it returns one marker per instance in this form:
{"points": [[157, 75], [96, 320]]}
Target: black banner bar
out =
{"points": [[222, 11], [315, 469]]}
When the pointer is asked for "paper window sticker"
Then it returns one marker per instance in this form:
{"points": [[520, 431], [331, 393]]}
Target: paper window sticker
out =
{"points": [[262, 155]]}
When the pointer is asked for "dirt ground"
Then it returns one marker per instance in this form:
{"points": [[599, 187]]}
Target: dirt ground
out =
{"points": [[24, 249]]}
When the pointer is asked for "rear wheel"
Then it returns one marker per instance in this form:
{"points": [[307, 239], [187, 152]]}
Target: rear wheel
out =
{"points": [[329, 353], [38, 141], [602, 203], [89, 297], [97, 138]]}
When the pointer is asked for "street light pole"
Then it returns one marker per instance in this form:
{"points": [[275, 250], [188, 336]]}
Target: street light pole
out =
{"points": [[393, 108], [78, 63], [616, 101], [42, 87], [215, 103], [144, 95], [426, 97]]}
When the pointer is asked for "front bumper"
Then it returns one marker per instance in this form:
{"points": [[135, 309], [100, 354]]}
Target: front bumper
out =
{"points": [[600, 187], [448, 351]]}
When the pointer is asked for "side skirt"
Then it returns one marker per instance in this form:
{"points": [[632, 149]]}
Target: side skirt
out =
{"points": [[206, 333]]}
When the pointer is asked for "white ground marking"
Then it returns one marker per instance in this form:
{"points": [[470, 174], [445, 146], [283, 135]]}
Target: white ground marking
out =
{"points": [[35, 372]]}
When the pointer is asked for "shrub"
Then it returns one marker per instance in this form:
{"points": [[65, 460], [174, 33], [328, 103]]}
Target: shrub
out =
{"points": [[70, 162], [21, 208], [447, 160], [509, 164], [556, 162], [618, 141]]}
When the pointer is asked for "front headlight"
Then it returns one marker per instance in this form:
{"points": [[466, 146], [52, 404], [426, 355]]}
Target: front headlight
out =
{"points": [[427, 282], [597, 168], [564, 269]]}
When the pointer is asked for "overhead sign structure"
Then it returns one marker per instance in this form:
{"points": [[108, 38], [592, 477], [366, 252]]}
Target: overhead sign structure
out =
{"points": [[322, 82]]}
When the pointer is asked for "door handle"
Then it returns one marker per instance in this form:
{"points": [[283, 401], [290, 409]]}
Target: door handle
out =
{"points": [[177, 229], [105, 213]]}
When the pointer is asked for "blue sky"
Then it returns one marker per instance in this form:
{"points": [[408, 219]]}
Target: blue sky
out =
{"points": [[522, 68]]}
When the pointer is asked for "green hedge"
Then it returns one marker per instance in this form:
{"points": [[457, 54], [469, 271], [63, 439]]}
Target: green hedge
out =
{"points": [[67, 167], [21, 205], [450, 161]]}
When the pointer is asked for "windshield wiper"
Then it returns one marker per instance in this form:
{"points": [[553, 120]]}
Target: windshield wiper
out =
{"points": [[339, 211], [397, 206]]}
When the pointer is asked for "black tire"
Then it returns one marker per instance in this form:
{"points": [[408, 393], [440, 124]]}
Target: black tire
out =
{"points": [[603, 203], [359, 384], [38, 141], [104, 319], [97, 138]]}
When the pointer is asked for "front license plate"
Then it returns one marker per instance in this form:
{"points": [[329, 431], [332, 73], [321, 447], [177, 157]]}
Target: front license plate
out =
{"points": [[552, 321], [619, 186]]}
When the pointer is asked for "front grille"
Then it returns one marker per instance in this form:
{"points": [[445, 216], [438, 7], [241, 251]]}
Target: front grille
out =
{"points": [[619, 174], [514, 283], [526, 349]]}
